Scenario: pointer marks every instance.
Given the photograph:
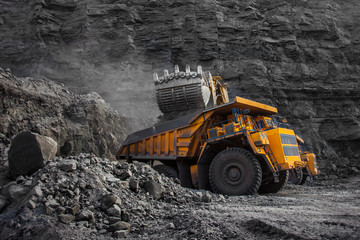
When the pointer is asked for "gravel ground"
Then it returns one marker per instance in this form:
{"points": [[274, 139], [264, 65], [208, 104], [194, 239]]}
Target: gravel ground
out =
{"points": [[86, 197]]}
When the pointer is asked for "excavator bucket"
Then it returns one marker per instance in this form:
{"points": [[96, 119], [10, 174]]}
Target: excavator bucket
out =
{"points": [[181, 91]]}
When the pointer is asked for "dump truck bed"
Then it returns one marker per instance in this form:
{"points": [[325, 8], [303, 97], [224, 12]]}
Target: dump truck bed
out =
{"points": [[178, 138], [160, 128]]}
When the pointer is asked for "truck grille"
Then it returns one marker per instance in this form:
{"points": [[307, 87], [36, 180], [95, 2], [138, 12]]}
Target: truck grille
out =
{"points": [[291, 151], [288, 139]]}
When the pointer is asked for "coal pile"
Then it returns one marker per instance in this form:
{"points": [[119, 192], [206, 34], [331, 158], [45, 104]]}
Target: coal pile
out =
{"points": [[87, 197]]}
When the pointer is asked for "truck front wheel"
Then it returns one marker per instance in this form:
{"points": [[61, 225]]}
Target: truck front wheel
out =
{"points": [[235, 171]]}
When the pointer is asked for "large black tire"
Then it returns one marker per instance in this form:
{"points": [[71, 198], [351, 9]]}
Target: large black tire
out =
{"points": [[273, 187], [305, 175], [235, 171], [296, 178], [167, 170]]}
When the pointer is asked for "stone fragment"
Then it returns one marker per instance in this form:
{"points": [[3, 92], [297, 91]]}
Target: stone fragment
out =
{"points": [[134, 185], [52, 203], [109, 200], [29, 152], [113, 219], [123, 175], [16, 192], [154, 189], [102, 231], [119, 226], [36, 191], [125, 216], [170, 226], [66, 218], [67, 165], [3, 203], [124, 184], [83, 223], [31, 204], [75, 209], [115, 210], [333, 167], [60, 209], [121, 233], [86, 215], [49, 210], [206, 197]]}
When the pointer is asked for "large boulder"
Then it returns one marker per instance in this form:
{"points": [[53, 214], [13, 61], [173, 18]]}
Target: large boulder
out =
{"points": [[29, 152]]}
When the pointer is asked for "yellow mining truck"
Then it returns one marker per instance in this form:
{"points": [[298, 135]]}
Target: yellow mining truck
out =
{"points": [[232, 148]]}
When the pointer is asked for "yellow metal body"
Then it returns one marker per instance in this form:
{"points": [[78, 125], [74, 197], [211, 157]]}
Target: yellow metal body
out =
{"points": [[278, 146], [260, 138], [285, 148], [310, 160]]}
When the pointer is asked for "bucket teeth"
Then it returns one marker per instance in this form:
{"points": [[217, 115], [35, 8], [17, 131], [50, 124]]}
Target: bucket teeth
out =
{"points": [[156, 78], [187, 69], [199, 70], [177, 69], [166, 73]]}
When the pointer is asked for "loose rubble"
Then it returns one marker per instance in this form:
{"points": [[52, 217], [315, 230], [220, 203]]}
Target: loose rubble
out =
{"points": [[93, 195]]}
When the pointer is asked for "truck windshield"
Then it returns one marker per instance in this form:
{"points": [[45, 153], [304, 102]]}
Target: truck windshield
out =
{"points": [[269, 122]]}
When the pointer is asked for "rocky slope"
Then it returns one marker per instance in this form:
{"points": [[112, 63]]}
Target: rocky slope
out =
{"points": [[300, 56], [78, 123], [86, 197]]}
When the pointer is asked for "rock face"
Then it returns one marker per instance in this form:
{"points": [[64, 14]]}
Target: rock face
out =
{"points": [[300, 56], [29, 152], [78, 123]]}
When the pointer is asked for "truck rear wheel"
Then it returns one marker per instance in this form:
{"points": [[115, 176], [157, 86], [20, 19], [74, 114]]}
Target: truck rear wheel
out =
{"points": [[273, 187], [167, 170], [296, 177], [235, 171]]}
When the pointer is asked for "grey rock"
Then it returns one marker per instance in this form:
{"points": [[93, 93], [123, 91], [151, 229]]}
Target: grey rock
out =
{"points": [[125, 216], [52, 203], [121, 233], [134, 185], [119, 226], [29, 152], [113, 219], [86, 215], [108, 200], [17, 192], [75, 209], [115, 210], [333, 167], [67, 165], [123, 175], [3, 203], [37, 191], [31, 204], [66, 218], [154, 189], [206, 197], [60, 209], [49, 210], [170, 226]]}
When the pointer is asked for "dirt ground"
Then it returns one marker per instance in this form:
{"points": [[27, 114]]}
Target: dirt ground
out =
{"points": [[320, 210]]}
